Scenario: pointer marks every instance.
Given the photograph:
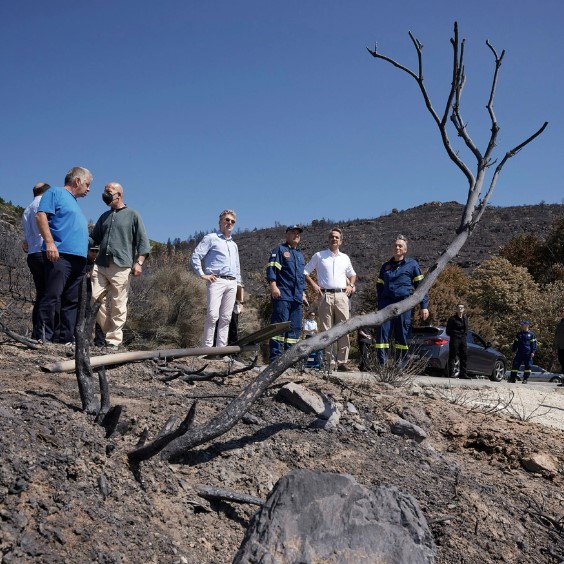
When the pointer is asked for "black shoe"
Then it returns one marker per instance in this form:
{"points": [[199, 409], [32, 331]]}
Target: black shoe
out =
{"points": [[511, 381], [525, 380], [343, 368]]}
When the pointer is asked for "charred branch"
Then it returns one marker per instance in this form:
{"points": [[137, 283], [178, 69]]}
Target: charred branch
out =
{"points": [[105, 403], [221, 494], [199, 375], [83, 370], [474, 207], [162, 439], [29, 343]]}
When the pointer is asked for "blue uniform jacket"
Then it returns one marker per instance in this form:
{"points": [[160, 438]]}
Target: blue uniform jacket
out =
{"points": [[525, 342], [286, 267], [397, 280]]}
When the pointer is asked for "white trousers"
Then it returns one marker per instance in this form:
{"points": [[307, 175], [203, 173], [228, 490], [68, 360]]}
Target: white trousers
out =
{"points": [[221, 299], [115, 281]]}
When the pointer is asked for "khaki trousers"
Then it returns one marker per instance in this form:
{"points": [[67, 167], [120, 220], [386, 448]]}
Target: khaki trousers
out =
{"points": [[112, 281], [333, 309]]}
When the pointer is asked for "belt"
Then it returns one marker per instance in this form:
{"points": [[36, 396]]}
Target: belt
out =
{"points": [[330, 291], [225, 277]]}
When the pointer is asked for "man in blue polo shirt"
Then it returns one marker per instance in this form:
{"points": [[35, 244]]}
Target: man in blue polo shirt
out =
{"points": [[65, 245]]}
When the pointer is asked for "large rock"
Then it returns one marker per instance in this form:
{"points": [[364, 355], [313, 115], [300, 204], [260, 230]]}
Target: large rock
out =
{"points": [[317, 517], [308, 401]]}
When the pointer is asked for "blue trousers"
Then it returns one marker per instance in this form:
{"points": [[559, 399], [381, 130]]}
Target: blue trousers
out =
{"points": [[62, 280], [521, 358], [401, 327], [36, 265], [291, 311]]}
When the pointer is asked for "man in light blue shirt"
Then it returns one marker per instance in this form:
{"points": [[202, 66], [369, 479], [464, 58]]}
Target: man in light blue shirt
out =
{"points": [[216, 260], [65, 242], [32, 246]]}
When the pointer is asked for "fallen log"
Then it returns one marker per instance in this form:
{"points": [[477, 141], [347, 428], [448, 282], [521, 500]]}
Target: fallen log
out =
{"points": [[248, 343], [121, 358]]}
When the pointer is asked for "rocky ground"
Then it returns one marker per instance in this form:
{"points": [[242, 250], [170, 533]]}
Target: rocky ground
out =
{"points": [[69, 495]]}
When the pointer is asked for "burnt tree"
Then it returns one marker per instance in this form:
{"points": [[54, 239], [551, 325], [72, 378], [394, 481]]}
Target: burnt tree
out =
{"points": [[479, 193]]}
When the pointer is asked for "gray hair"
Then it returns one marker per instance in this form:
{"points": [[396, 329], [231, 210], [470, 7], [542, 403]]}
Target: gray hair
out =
{"points": [[77, 172]]}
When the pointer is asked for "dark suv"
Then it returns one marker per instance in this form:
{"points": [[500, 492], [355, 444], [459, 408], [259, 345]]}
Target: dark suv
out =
{"points": [[431, 343]]}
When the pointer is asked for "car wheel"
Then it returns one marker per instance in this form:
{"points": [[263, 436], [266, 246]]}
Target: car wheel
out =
{"points": [[498, 371], [556, 379], [455, 369]]}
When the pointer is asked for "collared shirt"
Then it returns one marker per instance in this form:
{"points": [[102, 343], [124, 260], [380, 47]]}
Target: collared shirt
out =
{"points": [[29, 224], [121, 236], [215, 254], [332, 270]]}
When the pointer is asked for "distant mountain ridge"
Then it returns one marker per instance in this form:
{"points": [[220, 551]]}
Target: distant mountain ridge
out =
{"points": [[429, 229]]}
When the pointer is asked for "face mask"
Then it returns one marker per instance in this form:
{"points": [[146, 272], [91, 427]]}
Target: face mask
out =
{"points": [[108, 198]]}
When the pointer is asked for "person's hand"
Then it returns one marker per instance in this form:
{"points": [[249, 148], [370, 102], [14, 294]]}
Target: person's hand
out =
{"points": [[136, 269], [25, 246], [274, 292], [425, 314], [317, 289], [208, 277], [52, 252]]}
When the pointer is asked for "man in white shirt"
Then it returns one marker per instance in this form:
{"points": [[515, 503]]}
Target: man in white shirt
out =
{"points": [[334, 287], [32, 246]]}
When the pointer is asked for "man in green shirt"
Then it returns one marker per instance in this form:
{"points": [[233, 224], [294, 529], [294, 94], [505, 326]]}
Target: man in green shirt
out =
{"points": [[124, 246]]}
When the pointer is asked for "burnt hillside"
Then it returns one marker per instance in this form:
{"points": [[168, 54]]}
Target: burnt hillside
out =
{"points": [[429, 229]]}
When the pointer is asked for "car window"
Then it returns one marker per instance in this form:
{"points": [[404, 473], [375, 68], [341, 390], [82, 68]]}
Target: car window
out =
{"points": [[476, 339]]}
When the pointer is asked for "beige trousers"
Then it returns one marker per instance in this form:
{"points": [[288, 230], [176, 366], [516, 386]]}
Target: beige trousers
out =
{"points": [[221, 299], [333, 309], [112, 281]]}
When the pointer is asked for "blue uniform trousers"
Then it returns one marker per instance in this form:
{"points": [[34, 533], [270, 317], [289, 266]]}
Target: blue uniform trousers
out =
{"points": [[283, 310], [521, 358], [401, 326]]}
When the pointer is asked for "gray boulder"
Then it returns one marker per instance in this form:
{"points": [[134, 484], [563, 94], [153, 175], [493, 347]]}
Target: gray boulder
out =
{"points": [[319, 517]]}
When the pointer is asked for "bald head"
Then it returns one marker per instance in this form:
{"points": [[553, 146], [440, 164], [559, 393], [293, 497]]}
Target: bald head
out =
{"points": [[113, 195]]}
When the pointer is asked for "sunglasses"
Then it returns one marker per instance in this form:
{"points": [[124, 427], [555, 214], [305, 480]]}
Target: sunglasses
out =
{"points": [[228, 220]]}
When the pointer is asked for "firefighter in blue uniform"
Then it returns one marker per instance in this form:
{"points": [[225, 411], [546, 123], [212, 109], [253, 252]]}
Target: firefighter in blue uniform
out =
{"points": [[525, 347], [285, 276], [397, 280]]}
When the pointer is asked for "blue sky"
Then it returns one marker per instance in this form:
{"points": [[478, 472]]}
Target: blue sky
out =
{"points": [[274, 109]]}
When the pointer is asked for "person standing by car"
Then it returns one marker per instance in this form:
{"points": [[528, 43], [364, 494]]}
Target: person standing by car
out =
{"points": [[559, 337], [525, 345], [457, 330]]}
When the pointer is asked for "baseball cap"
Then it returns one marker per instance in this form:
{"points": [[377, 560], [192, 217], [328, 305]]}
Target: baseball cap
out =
{"points": [[292, 227]]}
